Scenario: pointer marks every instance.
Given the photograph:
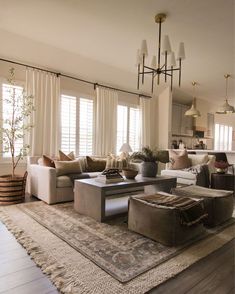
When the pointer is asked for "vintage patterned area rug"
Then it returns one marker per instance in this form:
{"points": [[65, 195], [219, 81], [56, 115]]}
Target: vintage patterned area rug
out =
{"points": [[69, 247]]}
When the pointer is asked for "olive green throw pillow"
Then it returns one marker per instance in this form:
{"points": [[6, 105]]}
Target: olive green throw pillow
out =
{"points": [[95, 164], [68, 167]]}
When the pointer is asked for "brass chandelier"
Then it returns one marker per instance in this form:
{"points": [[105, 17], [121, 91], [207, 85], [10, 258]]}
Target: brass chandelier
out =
{"points": [[156, 69]]}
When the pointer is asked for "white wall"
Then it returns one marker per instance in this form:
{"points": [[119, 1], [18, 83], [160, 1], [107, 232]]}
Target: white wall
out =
{"points": [[164, 118]]}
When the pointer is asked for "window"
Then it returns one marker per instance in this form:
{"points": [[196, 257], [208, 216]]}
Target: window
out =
{"points": [[85, 126], [7, 108], [76, 125], [223, 137], [68, 123], [128, 127]]}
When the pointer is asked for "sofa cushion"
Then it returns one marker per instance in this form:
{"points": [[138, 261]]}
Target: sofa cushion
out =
{"points": [[179, 174], [67, 167], [63, 181], [95, 164], [179, 160], [64, 157], [196, 159]]}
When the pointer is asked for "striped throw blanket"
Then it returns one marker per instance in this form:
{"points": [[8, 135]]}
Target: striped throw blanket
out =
{"points": [[191, 211]]}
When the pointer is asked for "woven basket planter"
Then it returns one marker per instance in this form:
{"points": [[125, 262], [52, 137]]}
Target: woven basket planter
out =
{"points": [[12, 190]]}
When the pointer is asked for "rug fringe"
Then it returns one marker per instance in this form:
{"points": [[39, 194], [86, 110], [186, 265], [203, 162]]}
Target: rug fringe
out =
{"points": [[63, 280]]}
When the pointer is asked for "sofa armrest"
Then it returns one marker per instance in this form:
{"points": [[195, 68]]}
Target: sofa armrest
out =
{"points": [[43, 182]]}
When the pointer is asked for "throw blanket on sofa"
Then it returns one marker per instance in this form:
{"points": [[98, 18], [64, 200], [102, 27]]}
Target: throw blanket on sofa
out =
{"points": [[191, 211], [202, 172]]}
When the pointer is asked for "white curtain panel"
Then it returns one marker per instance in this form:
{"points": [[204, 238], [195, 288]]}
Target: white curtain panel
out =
{"points": [[44, 136], [105, 121], [145, 111]]}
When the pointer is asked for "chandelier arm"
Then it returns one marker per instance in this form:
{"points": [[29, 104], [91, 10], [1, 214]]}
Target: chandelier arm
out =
{"points": [[157, 74], [143, 69], [179, 72], [165, 66], [171, 77], [152, 80], [173, 69], [147, 72], [138, 80]]}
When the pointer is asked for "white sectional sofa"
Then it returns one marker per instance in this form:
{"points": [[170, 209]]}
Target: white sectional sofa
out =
{"points": [[45, 185]]}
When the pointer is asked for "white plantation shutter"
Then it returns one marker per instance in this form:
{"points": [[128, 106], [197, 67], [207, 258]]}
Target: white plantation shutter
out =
{"points": [[85, 126], [68, 123], [134, 129], [121, 126], [7, 91], [128, 127]]}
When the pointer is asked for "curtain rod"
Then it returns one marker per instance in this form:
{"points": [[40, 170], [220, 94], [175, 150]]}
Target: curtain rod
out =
{"points": [[74, 78]]}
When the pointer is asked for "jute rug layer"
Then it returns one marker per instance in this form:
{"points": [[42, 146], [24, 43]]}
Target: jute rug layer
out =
{"points": [[55, 236]]}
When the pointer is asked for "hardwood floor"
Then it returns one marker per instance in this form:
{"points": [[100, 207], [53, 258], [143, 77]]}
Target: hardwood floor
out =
{"points": [[215, 274], [18, 273]]}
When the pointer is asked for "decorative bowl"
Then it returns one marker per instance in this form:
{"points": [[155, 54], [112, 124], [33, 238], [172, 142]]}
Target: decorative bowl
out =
{"points": [[130, 173]]}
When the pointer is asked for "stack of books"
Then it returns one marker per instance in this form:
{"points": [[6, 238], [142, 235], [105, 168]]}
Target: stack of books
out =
{"points": [[109, 178]]}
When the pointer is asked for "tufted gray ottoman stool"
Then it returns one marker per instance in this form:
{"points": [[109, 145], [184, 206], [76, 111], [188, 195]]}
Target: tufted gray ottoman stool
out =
{"points": [[166, 218], [218, 203]]}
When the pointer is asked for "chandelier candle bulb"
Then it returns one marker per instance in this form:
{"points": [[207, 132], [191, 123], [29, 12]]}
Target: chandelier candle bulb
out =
{"points": [[144, 48], [181, 51], [166, 47]]}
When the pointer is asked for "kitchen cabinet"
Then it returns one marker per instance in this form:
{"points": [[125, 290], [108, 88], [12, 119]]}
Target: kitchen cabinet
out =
{"points": [[181, 124]]}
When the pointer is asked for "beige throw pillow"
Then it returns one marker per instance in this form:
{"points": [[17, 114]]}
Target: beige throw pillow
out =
{"points": [[64, 157], [116, 162], [179, 160], [68, 167]]}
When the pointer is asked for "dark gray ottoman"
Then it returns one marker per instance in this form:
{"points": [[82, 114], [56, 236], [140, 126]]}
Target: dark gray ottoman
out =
{"points": [[160, 223], [218, 203]]}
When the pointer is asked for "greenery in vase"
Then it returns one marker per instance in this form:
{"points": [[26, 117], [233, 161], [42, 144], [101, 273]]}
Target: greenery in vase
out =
{"points": [[151, 155], [19, 107]]}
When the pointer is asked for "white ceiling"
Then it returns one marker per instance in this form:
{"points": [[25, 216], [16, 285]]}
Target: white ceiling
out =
{"points": [[110, 31]]}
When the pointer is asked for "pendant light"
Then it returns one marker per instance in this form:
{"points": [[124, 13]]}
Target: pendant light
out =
{"points": [[193, 111], [226, 108]]}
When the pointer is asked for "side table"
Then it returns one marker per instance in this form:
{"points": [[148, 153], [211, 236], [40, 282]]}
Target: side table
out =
{"points": [[223, 181]]}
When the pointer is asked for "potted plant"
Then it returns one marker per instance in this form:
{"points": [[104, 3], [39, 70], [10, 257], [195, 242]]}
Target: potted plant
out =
{"points": [[150, 160], [13, 127]]}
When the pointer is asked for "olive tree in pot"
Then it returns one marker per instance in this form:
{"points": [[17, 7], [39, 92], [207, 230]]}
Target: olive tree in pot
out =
{"points": [[150, 158], [13, 127]]}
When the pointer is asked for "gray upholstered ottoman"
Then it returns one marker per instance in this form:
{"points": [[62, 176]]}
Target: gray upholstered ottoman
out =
{"points": [[163, 223], [218, 203]]}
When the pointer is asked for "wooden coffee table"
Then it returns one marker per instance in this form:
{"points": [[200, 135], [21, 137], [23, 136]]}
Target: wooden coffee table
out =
{"points": [[90, 195]]}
